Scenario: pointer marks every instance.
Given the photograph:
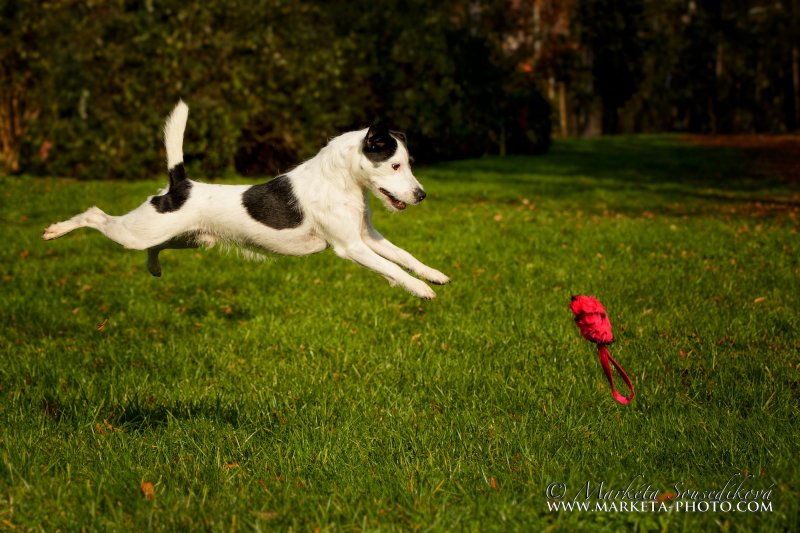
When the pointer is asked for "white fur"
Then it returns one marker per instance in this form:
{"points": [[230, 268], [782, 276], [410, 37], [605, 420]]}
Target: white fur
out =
{"points": [[173, 133], [331, 191]]}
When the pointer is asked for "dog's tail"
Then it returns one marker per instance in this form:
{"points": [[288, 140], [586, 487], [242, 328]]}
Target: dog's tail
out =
{"points": [[173, 139]]}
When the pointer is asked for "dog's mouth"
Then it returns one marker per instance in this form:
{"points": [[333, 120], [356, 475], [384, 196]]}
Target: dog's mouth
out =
{"points": [[397, 204]]}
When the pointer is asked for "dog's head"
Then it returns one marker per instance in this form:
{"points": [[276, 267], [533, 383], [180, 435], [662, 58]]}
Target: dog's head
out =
{"points": [[387, 168]]}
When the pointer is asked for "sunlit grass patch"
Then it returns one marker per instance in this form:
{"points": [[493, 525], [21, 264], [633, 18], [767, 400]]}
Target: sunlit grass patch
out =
{"points": [[306, 392]]}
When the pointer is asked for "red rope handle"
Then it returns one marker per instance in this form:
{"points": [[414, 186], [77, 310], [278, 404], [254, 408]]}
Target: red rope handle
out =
{"points": [[605, 357]]}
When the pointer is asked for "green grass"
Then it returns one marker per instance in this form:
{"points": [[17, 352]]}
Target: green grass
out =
{"points": [[305, 392]]}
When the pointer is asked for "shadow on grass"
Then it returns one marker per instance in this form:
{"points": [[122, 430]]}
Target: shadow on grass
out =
{"points": [[666, 166], [147, 414]]}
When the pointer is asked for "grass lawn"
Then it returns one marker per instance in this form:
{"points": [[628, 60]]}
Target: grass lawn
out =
{"points": [[307, 393]]}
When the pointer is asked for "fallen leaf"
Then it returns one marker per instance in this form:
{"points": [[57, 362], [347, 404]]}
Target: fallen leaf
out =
{"points": [[24, 253], [759, 299], [228, 466], [50, 409], [665, 497], [493, 483], [102, 325], [148, 490]]}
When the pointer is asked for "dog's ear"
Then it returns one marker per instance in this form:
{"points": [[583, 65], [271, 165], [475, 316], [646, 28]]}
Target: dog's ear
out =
{"points": [[399, 135], [377, 138]]}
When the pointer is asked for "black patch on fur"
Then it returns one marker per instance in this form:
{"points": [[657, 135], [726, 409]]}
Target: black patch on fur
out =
{"points": [[273, 204], [177, 174], [379, 145], [178, 193]]}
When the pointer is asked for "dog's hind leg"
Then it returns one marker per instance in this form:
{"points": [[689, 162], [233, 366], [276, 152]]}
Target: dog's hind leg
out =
{"points": [[153, 264], [91, 218], [179, 242], [116, 228]]}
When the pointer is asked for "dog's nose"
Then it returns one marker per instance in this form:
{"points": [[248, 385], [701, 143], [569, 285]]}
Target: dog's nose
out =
{"points": [[419, 195]]}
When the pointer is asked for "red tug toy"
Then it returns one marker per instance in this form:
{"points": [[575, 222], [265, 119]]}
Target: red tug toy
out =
{"points": [[592, 320]]}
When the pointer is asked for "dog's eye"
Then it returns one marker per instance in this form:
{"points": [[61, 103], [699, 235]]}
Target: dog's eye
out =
{"points": [[396, 166]]}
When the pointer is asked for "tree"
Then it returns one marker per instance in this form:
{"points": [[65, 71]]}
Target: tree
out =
{"points": [[610, 33], [267, 81], [20, 66]]}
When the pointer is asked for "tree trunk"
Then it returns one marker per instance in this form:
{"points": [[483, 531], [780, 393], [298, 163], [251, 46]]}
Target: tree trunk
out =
{"points": [[14, 115], [718, 114], [610, 119], [10, 134], [796, 84], [562, 109], [793, 109], [11, 157]]}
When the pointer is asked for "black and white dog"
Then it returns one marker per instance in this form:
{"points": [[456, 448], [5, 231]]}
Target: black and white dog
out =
{"points": [[321, 203]]}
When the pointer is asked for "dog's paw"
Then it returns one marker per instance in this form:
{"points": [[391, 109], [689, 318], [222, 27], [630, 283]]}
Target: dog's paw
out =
{"points": [[436, 277], [154, 266], [421, 290], [54, 231]]}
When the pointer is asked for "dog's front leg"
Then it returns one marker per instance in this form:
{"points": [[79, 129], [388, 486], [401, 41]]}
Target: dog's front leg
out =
{"points": [[363, 255], [383, 247]]}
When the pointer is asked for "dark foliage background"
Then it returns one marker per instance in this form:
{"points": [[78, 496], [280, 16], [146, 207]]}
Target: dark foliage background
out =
{"points": [[267, 81], [705, 66], [85, 85]]}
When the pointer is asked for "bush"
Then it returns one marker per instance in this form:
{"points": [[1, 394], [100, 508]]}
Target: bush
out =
{"points": [[267, 81]]}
